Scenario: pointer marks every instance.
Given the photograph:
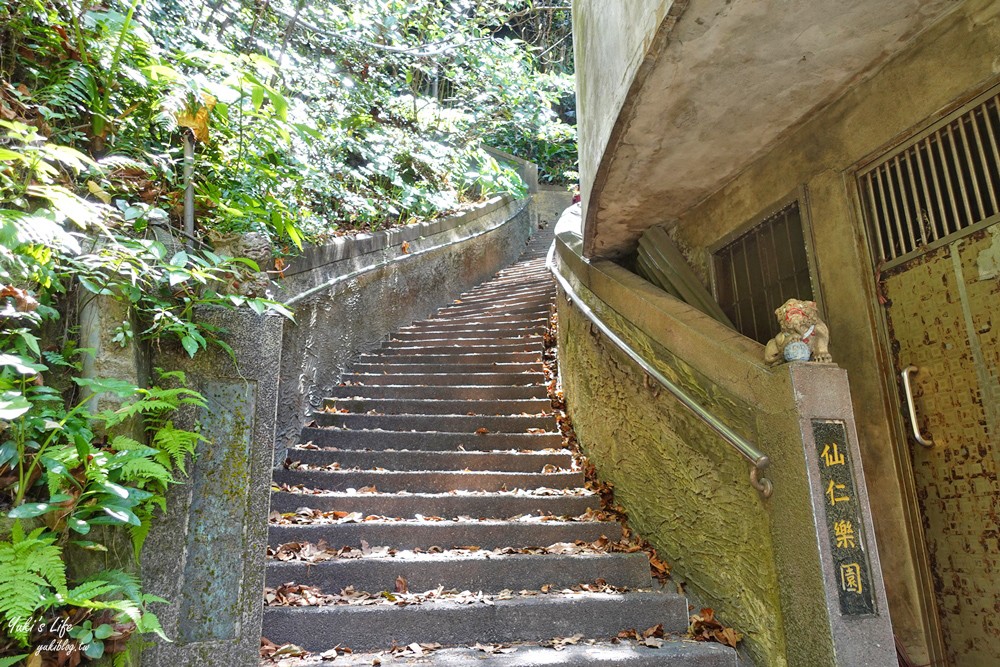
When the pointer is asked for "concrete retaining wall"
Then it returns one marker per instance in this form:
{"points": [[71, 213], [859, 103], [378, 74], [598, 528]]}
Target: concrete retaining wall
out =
{"points": [[206, 554], [763, 564], [350, 295]]}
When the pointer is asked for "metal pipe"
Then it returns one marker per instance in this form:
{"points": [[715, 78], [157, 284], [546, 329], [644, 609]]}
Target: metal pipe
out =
{"points": [[912, 407], [757, 459], [189, 185]]}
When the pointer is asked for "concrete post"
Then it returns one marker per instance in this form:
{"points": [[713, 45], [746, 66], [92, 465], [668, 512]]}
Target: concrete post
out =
{"points": [[206, 554], [857, 610]]}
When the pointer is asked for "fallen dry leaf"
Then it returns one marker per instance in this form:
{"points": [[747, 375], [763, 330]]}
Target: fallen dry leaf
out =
{"points": [[704, 628], [559, 643]]}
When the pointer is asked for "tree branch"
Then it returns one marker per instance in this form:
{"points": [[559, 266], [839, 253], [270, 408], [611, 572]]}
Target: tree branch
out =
{"points": [[446, 45], [534, 10]]}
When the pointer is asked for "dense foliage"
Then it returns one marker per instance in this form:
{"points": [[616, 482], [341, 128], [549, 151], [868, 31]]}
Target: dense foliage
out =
{"points": [[291, 119], [310, 117]]}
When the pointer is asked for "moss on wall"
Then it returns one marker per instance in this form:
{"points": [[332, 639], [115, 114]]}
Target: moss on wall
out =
{"points": [[680, 491], [941, 67]]}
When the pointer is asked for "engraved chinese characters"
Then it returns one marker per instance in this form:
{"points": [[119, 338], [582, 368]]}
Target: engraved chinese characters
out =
{"points": [[852, 572]]}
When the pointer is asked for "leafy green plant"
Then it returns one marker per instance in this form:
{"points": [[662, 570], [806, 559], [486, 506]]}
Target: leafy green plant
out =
{"points": [[65, 464], [30, 566], [342, 116]]}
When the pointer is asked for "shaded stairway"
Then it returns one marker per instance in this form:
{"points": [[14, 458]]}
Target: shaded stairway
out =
{"points": [[432, 502]]}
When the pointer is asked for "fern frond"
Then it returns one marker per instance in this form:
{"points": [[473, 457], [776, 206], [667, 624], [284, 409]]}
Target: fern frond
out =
{"points": [[125, 162], [146, 406], [20, 598], [45, 560], [71, 86], [125, 583], [141, 532], [145, 470], [171, 376], [30, 566], [176, 445], [150, 623], [88, 591], [123, 443], [123, 607], [175, 396]]}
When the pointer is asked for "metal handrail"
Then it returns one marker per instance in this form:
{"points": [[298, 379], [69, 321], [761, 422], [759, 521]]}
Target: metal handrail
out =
{"points": [[757, 459]]}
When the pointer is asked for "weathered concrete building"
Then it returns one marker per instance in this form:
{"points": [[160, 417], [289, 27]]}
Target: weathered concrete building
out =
{"points": [[846, 153]]}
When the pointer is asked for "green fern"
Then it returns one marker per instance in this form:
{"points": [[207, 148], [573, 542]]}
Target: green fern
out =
{"points": [[125, 583], [175, 446], [135, 464], [12, 660], [153, 402], [85, 592], [30, 567], [145, 470]]}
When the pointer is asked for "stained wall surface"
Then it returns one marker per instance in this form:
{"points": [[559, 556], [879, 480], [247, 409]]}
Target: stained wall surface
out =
{"points": [[939, 69], [757, 560], [612, 43], [719, 83], [350, 296]]}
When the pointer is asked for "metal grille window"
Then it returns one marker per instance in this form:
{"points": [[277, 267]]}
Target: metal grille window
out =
{"points": [[762, 269], [939, 184]]}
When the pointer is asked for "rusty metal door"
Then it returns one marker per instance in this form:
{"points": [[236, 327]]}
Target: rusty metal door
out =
{"points": [[943, 312]]}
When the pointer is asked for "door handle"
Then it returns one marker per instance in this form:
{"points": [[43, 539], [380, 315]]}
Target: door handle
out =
{"points": [[912, 407]]}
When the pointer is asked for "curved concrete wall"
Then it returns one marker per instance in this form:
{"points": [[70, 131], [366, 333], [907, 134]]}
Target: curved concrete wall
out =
{"points": [[611, 42], [762, 564], [675, 98], [950, 63], [348, 296]]}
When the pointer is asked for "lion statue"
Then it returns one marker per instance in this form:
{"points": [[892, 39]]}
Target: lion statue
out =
{"points": [[803, 336]]}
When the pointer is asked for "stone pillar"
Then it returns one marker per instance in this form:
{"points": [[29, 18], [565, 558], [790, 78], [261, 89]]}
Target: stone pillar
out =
{"points": [[206, 554], [857, 610]]}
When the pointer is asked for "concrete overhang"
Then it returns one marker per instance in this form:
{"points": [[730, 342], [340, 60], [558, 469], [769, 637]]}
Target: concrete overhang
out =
{"points": [[720, 82]]}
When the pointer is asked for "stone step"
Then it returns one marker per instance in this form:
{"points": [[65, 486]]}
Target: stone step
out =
{"points": [[507, 311], [590, 653], [496, 461], [405, 367], [474, 355], [525, 266], [523, 273], [431, 406], [447, 379], [442, 338], [487, 346], [430, 483], [473, 325], [530, 277], [536, 618], [423, 481], [445, 534], [529, 326], [512, 307], [520, 320], [467, 392], [473, 571], [528, 296], [510, 330], [508, 288], [437, 423], [445, 505], [347, 439]]}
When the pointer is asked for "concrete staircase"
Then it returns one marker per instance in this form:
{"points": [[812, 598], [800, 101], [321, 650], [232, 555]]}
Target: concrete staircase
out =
{"points": [[433, 502]]}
